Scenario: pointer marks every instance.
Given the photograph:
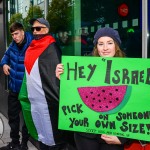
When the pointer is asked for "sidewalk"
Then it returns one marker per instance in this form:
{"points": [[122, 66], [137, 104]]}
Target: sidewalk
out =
{"points": [[5, 138]]}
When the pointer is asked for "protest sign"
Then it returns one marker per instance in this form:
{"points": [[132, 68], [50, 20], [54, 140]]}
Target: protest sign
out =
{"points": [[106, 96]]}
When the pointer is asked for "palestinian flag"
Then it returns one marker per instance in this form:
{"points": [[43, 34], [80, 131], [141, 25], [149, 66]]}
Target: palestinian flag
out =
{"points": [[40, 90]]}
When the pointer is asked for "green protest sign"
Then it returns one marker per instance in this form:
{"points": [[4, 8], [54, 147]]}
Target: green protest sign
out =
{"points": [[106, 96]]}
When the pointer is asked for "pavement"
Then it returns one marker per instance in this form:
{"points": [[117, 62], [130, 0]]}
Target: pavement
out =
{"points": [[5, 139]]}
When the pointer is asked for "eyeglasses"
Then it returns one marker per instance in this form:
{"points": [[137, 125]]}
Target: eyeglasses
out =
{"points": [[37, 28]]}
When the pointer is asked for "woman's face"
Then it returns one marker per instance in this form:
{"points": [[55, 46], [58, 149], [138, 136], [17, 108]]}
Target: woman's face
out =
{"points": [[106, 47]]}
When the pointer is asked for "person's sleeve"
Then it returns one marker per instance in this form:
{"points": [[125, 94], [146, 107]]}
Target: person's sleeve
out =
{"points": [[54, 59], [124, 140], [6, 58]]}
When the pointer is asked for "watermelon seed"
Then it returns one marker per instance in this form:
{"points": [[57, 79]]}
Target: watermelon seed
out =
{"points": [[100, 106], [91, 92], [106, 106], [117, 99], [93, 98], [110, 93], [103, 90], [92, 105], [86, 96], [116, 89], [99, 100], [98, 95], [104, 98], [110, 101]]}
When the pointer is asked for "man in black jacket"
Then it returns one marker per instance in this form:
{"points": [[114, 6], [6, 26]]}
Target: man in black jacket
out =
{"points": [[42, 88]]}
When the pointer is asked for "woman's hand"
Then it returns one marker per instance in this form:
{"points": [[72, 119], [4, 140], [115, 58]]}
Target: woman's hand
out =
{"points": [[109, 139], [59, 70]]}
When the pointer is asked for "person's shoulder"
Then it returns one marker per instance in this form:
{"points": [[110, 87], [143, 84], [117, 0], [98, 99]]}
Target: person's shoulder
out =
{"points": [[11, 44], [29, 35]]}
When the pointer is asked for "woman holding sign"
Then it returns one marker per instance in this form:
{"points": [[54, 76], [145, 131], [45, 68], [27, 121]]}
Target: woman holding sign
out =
{"points": [[106, 44]]}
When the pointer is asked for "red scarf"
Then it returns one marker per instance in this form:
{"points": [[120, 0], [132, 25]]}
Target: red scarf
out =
{"points": [[35, 50]]}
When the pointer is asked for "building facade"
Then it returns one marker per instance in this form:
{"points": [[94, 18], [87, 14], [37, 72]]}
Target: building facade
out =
{"points": [[74, 23]]}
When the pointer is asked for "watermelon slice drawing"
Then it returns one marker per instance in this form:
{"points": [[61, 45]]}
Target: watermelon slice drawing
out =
{"points": [[105, 99]]}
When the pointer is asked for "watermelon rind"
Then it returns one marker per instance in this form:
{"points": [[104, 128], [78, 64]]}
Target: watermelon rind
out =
{"points": [[122, 104]]}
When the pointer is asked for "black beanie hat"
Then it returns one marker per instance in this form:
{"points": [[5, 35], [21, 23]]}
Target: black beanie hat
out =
{"points": [[107, 31]]}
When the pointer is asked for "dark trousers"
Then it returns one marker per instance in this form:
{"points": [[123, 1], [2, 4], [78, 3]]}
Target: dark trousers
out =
{"points": [[14, 109], [55, 147], [85, 143]]}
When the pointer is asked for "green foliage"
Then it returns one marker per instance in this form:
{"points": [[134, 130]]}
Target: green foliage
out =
{"points": [[16, 18], [34, 12], [60, 14]]}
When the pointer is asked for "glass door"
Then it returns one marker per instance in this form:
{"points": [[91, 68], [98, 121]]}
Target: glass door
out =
{"points": [[74, 22], [148, 48], [122, 16]]}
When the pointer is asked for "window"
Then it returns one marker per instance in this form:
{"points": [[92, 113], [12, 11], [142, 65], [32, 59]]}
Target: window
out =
{"points": [[78, 20], [39, 1]]}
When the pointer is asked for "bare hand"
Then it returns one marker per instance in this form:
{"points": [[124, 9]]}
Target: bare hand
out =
{"points": [[6, 69], [109, 139], [59, 70]]}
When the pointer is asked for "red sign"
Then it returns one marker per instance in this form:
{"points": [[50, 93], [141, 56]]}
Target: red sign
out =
{"points": [[123, 10]]}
